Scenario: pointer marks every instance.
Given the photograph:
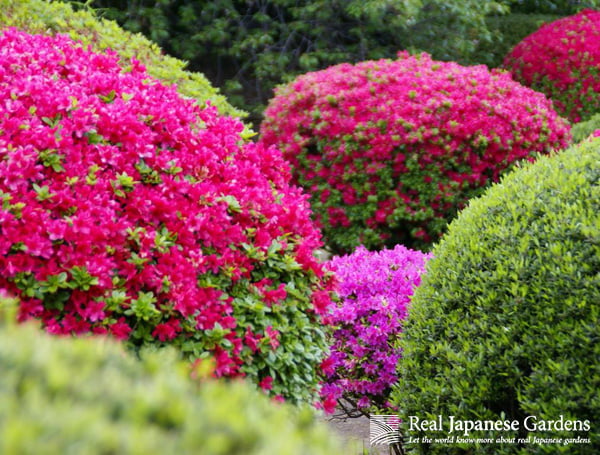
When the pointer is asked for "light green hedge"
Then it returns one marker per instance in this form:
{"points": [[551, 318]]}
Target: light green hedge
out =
{"points": [[582, 130], [505, 322], [39, 16], [88, 396]]}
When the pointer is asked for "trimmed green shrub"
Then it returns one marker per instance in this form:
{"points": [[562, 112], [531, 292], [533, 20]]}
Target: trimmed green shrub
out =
{"points": [[87, 396], [8, 309], [505, 322], [583, 130], [38, 16]]}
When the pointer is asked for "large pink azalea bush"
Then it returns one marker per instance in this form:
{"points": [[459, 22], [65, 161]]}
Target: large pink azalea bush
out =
{"points": [[562, 60], [129, 211], [375, 290], [390, 150]]}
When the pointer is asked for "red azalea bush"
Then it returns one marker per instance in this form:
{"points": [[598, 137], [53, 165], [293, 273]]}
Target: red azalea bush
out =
{"points": [[375, 290], [130, 211], [390, 150], [562, 60]]}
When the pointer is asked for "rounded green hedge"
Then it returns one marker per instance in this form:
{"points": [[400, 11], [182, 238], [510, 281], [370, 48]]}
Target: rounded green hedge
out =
{"points": [[87, 396], [583, 130], [505, 322], [39, 16]]}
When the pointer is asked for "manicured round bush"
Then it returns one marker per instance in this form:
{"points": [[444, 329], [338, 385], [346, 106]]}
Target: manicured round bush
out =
{"points": [[505, 322], [374, 289], [561, 60], [391, 149], [128, 210], [584, 129], [87, 396], [40, 16]]}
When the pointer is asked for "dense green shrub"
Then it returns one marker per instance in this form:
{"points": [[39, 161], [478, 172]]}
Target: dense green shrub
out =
{"points": [[87, 396], [505, 322], [248, 47], [39, 16], [390, 150], [582, 130]]}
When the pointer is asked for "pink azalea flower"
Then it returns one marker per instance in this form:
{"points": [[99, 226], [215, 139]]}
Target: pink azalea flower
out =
{"points": [[389, 149], [120, 329], [375, 290], [266, 383], [561, 59], [129, 210], [167, 331]]}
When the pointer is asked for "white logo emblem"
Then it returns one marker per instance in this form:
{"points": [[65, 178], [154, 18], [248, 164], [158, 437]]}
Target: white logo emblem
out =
{"points": [[384, 429]]}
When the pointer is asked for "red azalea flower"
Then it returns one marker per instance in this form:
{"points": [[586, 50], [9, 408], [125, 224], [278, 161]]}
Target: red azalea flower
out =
{"points": [[123, 201], [266, 383], [120, 329], [167, 331]]}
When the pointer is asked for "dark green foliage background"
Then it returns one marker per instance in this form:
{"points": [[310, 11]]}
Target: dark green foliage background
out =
{"points": [[247, 47], [41, 16], [560, 7], [505, 322], [506, 31]]}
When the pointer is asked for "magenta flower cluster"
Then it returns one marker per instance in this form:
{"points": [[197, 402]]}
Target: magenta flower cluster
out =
{"points": [[127, 210], [390, 150], [562, 60], [375, 290]]}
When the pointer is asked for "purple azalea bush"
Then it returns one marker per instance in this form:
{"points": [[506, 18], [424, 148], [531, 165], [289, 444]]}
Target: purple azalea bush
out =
{"points": [[375, 290]]}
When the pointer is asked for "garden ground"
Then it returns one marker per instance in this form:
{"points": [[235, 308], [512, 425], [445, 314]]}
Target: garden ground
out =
{"points": [[355, 434]]}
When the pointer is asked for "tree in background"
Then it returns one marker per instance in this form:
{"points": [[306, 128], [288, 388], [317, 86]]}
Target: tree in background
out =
{"points": [[558, 7], [246, 47], [524, 18]]}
